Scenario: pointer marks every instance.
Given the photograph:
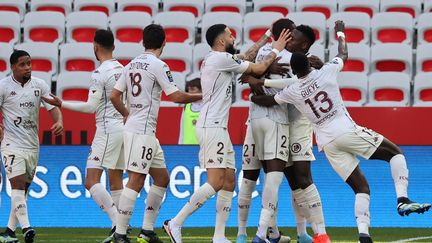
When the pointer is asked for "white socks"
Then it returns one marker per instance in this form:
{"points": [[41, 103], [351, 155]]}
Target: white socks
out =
{"points": [[13, 220], [297, 198], [399, 173], [269, 201], [154, 201], [361, 211], [223, 209], [19, 207], [104, 201], [314, 208], [197, 199], [244, 201], [115, 195], [125, 209]]}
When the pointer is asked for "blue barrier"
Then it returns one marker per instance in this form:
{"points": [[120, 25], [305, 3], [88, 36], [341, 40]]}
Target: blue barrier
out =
{"points": [[58, 197]]}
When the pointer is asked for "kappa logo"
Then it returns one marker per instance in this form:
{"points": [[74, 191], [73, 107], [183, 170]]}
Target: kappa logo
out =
{"points": [[134, 164], [210, 161], [96, 158], [13, 93], [150, 208], [296, 147]]}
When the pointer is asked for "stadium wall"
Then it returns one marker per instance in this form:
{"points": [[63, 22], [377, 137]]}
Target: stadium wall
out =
{"points": [[58, 197]]}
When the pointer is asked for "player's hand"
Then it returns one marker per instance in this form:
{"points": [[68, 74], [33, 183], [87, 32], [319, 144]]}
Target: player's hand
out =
{"points": [[55, 101], [57, 128], [315, 62], [283, 39], [257, 89], [125, 119], [278, 68], [254, 83], [1, 132], [339, 26]]}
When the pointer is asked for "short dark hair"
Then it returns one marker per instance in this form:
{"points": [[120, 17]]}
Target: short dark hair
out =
{"points": [[213, 32], [196, 82], [153, 36], [299, 62], [16, 54], [105, 38], [308, 32], [281, 24]]}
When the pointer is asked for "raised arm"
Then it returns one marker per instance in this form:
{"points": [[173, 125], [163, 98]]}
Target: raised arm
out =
{"points": [[86, 107], [183, 97], [1, 132], [342, 46], [251, 53]]}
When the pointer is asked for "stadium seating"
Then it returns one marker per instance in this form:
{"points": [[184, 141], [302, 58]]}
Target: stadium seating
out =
{"points": [[128, 26], [81, 26], [199, 52], [5, 52], [353, 87], [424, 58], [61, 6], [104, 6], [357, 27], [389, 89], [326, 7], [17, 6], [427, 6], [237, 6], [318, 50], [358, 57], [180, 80], [281, 6], [44, 56], [370, 7], [178, 56], [412, 7], [77, 57], [149, 6], [73, 85], [44, 76], [423, 89], [125, 52], [391, 57], [424, 28], [44, 27], [257, 23], [196, 7], [178, 26], [10, 27], [234, 21], [316, 20], [392, 28], [242, 92]]}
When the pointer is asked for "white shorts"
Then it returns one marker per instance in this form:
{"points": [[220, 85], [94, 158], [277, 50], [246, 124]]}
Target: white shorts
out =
{"points": [[301, 135], [342, 151], [20, 162], [216, 149], [107, 152], [142, 152], [271, 139], [249, 157]]}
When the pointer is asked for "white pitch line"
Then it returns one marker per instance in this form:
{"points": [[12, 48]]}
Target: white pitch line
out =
{"points": [[412, 239]]}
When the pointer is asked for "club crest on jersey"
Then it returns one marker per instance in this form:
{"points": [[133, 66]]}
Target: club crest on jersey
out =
{"points": [[235, 58], [37, 93], [295, 147], [117, 76], [170, 77]]}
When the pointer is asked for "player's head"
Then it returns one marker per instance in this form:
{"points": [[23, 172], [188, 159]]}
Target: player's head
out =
{"points": [[302, 39], [193, 86], [21, 66], [220, 36], [103, 42], [281, 24], [153, 37], [300, 64]]}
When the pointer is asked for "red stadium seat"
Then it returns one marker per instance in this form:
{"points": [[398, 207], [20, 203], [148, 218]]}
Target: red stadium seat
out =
{"points": [[357, 27], [44, 27], [325, 7], [424, 58], [391, 57], [104, 6], [236, 6], [81, 26], [178, 57], [196, 7], [392, 28], [175, 30], [16, 6], [423, 89], [280, 6], [412, 7], [369, 7], [125, 52], [128, 26], [234, 21], [73, 86], [10, 27], [424, 28], [353, 87], [5, 51], [256, 24], [77, 57], [148, 6], [389, 89], [315, 20], [61, 6]]}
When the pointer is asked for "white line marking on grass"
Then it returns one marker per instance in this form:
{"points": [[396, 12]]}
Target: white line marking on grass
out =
{"points": [[412, 239]]}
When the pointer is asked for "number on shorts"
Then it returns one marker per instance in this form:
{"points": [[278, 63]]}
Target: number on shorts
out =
{"points": [[148, 155], [135, 83], [324, 99], [12, 158], [284, 140], [221, 147], [246, 148]]}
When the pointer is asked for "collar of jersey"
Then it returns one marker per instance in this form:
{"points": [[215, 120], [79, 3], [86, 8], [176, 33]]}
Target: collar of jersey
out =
{"points": [[20, 84]]}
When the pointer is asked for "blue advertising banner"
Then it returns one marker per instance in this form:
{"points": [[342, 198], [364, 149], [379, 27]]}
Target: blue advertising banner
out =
{"points": [[58, 198]]}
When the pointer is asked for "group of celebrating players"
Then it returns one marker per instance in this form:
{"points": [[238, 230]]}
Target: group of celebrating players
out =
{"points": [[126, 101]]}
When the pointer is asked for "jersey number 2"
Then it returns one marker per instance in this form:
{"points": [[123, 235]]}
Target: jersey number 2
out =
{"points": [[322, 97]]}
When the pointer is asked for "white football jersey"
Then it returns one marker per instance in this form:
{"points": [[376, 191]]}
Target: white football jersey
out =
{"points": [[20, 110], [218, 72], [317, 96], [144, 78], [108, 119], [277, 113]]}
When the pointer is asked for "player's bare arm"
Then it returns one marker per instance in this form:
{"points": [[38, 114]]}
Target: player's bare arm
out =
{"points": [[251, 53], [315, 62], [183, 97], [55, 101], [57, 117], [1, 132], [261, 67], [342, 46], [264, 100], [116, 100], [278, 68]]}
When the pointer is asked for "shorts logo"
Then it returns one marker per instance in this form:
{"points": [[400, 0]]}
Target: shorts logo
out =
{"points": [[144, 165], [248, 160], [220, 159], [134, 164], [210, 161], [296, 147], [96, 158]]}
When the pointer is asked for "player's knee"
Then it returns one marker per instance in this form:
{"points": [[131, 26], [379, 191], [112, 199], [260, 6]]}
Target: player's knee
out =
{"points": [[251, 174], [303, 181], [162, 181]]}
